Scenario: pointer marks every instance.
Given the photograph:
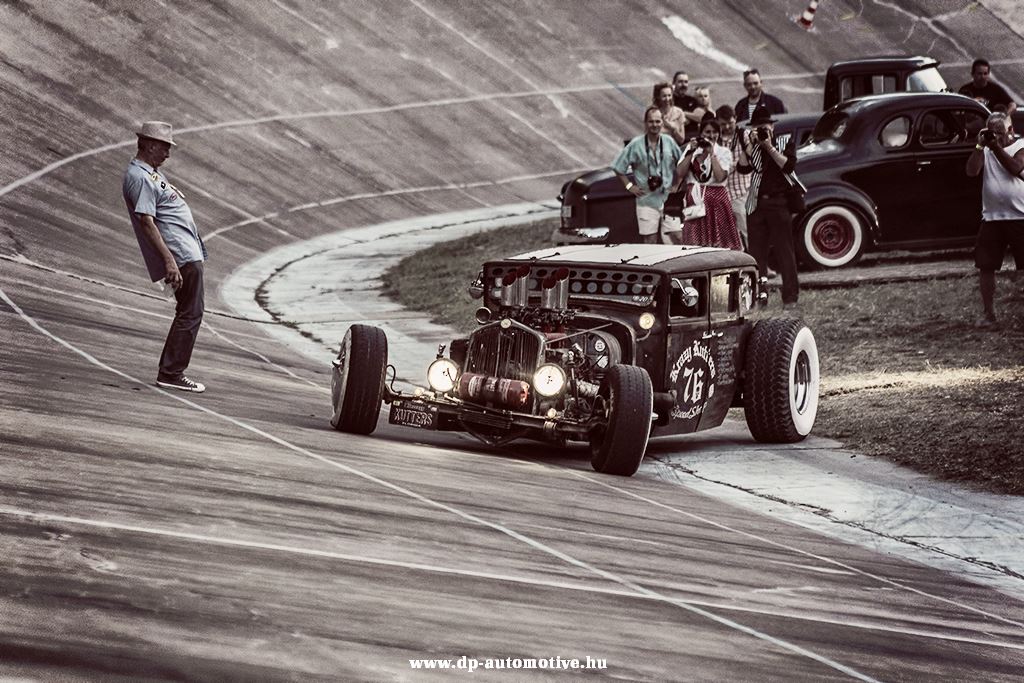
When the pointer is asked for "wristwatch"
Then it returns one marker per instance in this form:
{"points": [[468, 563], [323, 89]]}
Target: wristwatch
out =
{"points": [[629, 186]]}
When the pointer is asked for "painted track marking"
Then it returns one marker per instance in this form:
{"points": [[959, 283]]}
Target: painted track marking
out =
{"points": [[806, 553], [522, 538], [49, 518]]}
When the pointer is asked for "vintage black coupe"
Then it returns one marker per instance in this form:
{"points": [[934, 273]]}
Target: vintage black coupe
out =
{"points": [[887, 172], [601, 344]]}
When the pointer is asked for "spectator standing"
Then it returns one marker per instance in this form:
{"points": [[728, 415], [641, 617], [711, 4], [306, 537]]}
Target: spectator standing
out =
{"points": [[756, 98], [982, 89], [680, 86], [999, 155], [769, 224], [672, 118], [695, 118], [686, 102], [738, 184], [707, 165], [652, 157], [171, 248]]}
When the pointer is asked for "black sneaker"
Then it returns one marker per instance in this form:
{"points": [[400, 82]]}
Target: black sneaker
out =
{"points": [[182, 383]]}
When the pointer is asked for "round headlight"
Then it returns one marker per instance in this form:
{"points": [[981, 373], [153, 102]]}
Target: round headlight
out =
{"points": [[549, 380], [442, 375], [647, 321]]}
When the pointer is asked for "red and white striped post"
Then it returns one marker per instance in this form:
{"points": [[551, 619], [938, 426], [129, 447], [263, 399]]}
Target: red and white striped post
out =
{"points": [[807, 18]]}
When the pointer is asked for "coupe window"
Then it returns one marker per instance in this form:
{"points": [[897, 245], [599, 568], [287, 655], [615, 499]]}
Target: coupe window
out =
{"points": [[689, 297], [866, 84], [896, 133], [724, 293], [950, 127], [831, 126]]}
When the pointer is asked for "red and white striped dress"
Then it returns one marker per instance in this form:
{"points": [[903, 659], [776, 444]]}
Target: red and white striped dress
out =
{"points": [[718, 226]]}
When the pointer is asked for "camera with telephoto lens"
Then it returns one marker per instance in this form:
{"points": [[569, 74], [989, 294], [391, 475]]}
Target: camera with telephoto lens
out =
{"points": [[764, 133], [654, 182], [987, 137]]}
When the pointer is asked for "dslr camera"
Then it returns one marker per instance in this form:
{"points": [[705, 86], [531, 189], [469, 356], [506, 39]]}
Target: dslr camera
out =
{"points": [[703, 142], [987, 137], [654, 182], [764, 133]]}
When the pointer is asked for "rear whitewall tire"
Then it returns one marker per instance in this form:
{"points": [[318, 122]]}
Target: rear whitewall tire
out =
{"points": [[832, 236]]}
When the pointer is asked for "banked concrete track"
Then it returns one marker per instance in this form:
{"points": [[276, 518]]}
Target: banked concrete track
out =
{"points": [[233, 535]]}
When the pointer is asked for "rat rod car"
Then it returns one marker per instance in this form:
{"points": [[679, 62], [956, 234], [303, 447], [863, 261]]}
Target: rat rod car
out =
{"points": [[602, 344]]}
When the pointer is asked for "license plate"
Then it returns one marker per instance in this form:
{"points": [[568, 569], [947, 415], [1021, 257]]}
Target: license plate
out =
{"points": [[413, 415], [566, 211]]}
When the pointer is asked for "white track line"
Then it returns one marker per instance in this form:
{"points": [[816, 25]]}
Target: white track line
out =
{"points": [[522, 538], [805, 553], [332, 201], [341, 113], [221, 541], [163, 316]]}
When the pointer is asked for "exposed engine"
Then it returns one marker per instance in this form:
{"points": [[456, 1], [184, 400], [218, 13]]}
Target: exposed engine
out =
{"points": [[536, 358]]}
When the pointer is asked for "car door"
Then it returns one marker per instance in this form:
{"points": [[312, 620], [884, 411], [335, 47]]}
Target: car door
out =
{"points": [[885, 167], [724, 341], [686, 365], [948, 200]]}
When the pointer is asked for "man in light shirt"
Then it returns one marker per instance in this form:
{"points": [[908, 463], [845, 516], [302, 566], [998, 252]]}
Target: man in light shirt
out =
{"points": [[171, 247], [999, 154]]}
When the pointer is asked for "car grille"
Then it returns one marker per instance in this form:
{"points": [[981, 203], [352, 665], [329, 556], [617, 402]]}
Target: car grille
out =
{"points": [[510, 353]]}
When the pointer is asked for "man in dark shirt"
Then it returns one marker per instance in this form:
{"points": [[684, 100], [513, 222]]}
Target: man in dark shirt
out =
{"points": [[688, 103], [992, 95], [769, 224], [757, 98], [680, 86]]}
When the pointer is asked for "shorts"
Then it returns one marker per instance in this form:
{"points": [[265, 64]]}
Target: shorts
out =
{"points": [[648, 220], [993, 238]]}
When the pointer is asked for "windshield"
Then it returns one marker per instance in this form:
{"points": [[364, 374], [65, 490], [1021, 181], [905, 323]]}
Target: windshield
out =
{"points": [[926, 80], [831, 126]]}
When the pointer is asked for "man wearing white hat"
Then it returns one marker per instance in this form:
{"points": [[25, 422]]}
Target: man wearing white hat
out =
{"points": [[171, 248]]}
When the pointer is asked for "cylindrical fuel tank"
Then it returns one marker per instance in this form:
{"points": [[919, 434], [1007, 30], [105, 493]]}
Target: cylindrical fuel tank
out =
{"points": [[509, 393]]}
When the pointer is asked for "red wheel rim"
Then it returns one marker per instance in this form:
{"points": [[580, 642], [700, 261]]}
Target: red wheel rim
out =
{"points": [[833, 236]]}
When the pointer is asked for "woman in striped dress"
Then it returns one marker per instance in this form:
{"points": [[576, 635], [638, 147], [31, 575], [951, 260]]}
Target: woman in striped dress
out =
{"points": [[706, 165]]}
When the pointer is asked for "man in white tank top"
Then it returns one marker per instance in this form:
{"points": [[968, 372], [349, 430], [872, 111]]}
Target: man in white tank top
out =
{"points": [[1000, 154]]}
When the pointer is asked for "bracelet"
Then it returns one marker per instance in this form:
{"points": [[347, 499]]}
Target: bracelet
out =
{"points": [[629, 186]]}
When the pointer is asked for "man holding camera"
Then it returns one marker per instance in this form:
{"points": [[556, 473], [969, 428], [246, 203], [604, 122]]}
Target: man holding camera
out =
{"points": [[769, 223], [652, 157], [1000, 155]]}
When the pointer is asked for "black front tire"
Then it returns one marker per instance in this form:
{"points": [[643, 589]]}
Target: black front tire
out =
{"points": [[357, 382], [618, 446], [781, 381]]}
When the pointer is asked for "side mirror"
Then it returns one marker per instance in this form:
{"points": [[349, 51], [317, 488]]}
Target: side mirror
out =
{"points": [[688, 294], [476, 288]]}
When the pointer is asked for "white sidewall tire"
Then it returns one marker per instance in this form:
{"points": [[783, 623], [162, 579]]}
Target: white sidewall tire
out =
{"points": [[849, 215], [804, 415]]}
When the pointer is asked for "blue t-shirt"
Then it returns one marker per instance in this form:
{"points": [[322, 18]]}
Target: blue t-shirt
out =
{"points": [[146, 191], [650, 160]]}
